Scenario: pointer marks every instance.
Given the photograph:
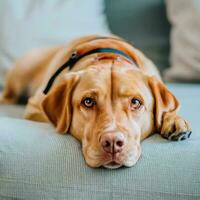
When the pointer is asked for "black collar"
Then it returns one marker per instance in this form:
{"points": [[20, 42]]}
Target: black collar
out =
{"points": [[75, 57]]}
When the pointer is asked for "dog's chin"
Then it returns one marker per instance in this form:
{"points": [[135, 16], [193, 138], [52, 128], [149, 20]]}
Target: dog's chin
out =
{"points": [[115, 165], [112, 165]]}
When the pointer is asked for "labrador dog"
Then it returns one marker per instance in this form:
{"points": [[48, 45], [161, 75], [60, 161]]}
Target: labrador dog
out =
{"points": [[103, 91]]}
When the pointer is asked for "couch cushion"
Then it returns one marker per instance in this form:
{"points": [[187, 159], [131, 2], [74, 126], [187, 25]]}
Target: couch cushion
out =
{"points": [[184, 16], [16, 111], [37, 163]]}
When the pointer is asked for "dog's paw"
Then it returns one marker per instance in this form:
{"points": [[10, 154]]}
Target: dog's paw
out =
{"points": [[175, 128]]}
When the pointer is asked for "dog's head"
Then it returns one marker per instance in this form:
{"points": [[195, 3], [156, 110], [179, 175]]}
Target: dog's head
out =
{"points": [[110, 107]]}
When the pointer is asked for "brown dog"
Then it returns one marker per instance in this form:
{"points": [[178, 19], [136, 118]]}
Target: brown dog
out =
{"points": [[103, 91]]}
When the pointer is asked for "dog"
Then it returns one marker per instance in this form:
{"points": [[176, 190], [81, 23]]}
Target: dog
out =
{"points": [[103, 91]]}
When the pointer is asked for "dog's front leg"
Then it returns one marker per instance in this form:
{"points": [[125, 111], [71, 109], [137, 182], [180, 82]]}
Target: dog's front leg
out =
{"points": [[167, 122], [175, 127]]}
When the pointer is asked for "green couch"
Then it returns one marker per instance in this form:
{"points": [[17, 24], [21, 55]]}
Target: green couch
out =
{"points": [[36, 163]]}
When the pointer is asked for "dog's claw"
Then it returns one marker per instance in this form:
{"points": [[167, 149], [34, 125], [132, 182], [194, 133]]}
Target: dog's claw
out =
{"points": [[180, 136]]}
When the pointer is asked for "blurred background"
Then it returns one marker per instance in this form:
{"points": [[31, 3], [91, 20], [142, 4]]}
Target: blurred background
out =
{"points": [[167, 31]]}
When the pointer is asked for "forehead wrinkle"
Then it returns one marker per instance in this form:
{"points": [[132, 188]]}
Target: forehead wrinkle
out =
{"points": [[111, 84], [113, 95]]}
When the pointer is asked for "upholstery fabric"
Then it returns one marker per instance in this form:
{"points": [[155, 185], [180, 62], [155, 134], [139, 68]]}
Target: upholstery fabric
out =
{"points": [[15, 111], [37, 163]]}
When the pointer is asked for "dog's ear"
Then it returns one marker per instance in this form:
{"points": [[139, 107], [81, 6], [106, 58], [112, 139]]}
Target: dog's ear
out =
{"points": [[165, 101], [56, 105]]}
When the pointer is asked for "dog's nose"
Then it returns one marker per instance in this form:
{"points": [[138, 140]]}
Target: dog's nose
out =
{"points": [[112, 142]]}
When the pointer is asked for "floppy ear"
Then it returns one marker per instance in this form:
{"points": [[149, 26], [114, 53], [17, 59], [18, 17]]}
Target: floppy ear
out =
{"points": [[56, 105], [165, 101]]}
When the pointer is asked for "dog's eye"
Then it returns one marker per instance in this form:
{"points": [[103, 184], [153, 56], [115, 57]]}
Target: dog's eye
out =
{"points": [[88, 102], [135, 104]]}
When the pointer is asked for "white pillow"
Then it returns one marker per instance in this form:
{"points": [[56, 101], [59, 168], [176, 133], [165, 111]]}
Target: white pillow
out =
{"points": [[27, 24], [184, 16]]}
